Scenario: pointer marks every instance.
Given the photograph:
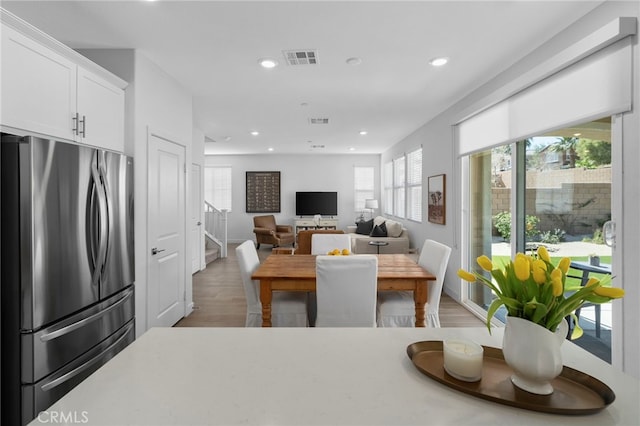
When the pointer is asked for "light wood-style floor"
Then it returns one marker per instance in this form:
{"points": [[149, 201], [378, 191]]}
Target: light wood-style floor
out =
{"points": [[219, 299]]}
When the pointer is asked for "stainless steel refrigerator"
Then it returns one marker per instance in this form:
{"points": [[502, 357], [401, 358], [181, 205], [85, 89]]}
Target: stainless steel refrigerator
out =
{"points": [[67, 272]]}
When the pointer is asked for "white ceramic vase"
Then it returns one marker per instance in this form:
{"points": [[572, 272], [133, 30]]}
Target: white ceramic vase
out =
{"points": [[534, 354]]}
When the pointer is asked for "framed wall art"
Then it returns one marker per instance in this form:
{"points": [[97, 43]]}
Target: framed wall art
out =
{"points": [[436, 199], [263, 192]]}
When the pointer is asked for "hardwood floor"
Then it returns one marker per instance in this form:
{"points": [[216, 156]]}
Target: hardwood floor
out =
{"points": [[219, 299]]}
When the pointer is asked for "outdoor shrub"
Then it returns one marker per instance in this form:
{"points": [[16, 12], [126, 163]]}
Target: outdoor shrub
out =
{"points": [[552, 237], [502, 222], [598, 237]]}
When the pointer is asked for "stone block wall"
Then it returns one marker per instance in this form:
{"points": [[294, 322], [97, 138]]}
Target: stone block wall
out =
{"points": [[574, 200]]}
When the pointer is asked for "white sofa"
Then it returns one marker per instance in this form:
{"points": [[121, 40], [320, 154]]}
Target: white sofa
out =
{"points": [[396, 244]]}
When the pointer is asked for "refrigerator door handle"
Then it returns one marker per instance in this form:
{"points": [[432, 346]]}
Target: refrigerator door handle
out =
{"points": [[108, 215], [76, 325], [102, 219], [71, 374]]}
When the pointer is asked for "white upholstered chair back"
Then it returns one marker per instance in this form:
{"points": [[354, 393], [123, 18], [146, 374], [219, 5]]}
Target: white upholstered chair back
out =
{"points": [[397, 308], [434, 257], [346, 288], [288, 309], [324, 243], [248, 261]]}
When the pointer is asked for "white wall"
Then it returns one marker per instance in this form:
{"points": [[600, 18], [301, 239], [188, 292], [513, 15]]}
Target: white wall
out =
{"points": [[437, 139], [297, 173], [161, 105]]}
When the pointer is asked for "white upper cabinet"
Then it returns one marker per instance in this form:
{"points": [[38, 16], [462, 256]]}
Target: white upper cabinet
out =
{"points": [[50, 89], [38, 87], [100, 112]]}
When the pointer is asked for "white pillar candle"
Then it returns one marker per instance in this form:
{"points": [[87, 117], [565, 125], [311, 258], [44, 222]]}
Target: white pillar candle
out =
{"points": [[463, 359]]}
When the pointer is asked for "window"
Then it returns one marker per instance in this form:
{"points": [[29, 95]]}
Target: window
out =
{"points": [[217, 186], [402, 182], [363, 182], [388, 188], [399, 186], [414, 185]]}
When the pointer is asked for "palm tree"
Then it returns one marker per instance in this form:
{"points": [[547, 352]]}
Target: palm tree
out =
{"points": [[567, 146]]}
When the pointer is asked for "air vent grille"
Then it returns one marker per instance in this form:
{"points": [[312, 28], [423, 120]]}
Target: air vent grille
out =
{"points": [[318, 121], [301, 57], [316, 146]]}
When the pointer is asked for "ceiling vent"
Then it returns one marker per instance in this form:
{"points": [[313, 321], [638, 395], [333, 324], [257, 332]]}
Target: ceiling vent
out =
{"points": [[301, 57], [318, 121], [316, 146]]}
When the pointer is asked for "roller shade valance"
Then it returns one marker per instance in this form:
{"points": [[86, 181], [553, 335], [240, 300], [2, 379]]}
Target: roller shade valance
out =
{"points": [[597, 86]]}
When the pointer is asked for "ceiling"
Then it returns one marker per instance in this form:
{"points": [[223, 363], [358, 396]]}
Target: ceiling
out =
{"points": [[212, 49]]}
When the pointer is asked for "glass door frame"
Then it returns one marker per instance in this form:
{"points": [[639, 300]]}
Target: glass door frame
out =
{"points": [[517, 204]]}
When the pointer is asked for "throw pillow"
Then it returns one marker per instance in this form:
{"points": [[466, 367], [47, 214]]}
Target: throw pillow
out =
{"points": [[394, 229], [378, 220], [364, 227], [379, 231]]}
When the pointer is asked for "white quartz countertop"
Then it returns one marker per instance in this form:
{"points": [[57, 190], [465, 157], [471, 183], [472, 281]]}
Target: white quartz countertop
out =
{"points": [[313, 376]]}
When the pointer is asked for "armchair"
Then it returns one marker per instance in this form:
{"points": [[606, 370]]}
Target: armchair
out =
{"points": [[268, 232]]}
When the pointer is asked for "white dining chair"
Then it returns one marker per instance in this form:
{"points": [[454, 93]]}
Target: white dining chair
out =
{"points": [[288, 309], [346, 289], [324, 243], [397, 308]]}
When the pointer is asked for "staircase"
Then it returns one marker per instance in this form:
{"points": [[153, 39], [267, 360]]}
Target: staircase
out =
{"points": [[215, 232], [211, 253]]}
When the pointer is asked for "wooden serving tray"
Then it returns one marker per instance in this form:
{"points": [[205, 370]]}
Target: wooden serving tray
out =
{"points": [[574, 392]]}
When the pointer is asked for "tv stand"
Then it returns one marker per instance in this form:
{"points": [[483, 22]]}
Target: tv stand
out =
{"points": [[302, 224]]}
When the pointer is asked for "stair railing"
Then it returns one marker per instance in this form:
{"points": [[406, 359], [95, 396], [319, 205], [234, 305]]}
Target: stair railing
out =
{"points": [[215, 226]]}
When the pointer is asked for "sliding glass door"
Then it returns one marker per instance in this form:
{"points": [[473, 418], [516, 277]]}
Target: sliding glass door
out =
{"points": [[552, 190]]}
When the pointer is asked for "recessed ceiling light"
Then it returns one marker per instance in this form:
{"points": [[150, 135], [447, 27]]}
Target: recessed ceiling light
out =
{"points": [[363, 132], [270, 149], [577, 134], [267, 62], [255, 133], [438, 62], [352, 149], [354, 61]]}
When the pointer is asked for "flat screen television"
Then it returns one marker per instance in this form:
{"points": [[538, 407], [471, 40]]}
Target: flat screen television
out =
{"points": [[313, 203]]}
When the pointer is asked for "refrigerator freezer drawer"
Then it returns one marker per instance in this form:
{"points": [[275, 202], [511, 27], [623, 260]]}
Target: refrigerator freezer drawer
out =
{"points": [[39, 396], [49, 349]]}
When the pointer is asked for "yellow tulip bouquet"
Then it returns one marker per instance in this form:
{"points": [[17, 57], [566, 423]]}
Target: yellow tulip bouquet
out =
{"points": [[531, 287]]}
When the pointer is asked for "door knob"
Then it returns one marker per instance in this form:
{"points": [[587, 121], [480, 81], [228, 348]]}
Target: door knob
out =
{"points": [[199, 223], [155, 251]]}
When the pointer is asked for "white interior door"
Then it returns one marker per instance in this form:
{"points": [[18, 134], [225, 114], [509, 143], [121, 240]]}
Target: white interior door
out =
{"points": [[167, 250], [197, 243]]}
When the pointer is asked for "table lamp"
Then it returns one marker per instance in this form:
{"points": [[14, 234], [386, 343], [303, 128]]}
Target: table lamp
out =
{"points": [[371, 205]]}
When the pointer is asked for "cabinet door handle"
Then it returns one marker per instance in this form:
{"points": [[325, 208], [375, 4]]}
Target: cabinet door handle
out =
{"points": [[75, 123], [84, 126], [155, 251]]}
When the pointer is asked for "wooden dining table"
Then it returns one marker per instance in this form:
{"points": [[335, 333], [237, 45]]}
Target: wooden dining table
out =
{"points": [[396, 272]]}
